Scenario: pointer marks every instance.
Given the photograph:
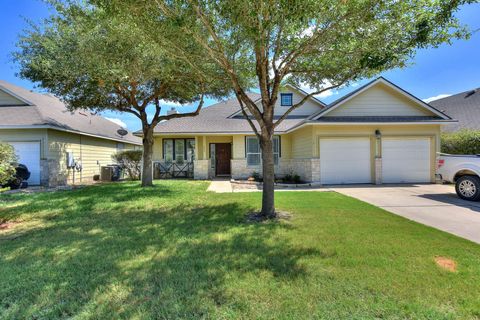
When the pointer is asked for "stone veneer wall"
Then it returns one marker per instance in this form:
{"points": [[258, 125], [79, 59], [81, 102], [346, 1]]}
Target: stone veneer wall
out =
{"points": [[201, 169], [51, 175], [378, 170], [307, 169]]}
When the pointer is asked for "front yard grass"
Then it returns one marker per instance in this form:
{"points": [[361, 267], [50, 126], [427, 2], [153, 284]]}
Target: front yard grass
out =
{"points": [[176, 251]]}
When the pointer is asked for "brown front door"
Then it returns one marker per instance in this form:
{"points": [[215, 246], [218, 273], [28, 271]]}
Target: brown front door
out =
{"points": [[223, 154]]}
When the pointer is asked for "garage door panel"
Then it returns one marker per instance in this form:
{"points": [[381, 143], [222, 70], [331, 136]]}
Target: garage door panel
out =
{"points": [[344, 161], [406, 160], [28, 153]]}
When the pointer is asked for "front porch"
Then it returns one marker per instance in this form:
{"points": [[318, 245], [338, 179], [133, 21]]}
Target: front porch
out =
{"points": [[211, 156], [198, 157]]}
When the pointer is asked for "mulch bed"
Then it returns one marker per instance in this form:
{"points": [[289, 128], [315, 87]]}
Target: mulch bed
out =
{"points": [[257, 217]]}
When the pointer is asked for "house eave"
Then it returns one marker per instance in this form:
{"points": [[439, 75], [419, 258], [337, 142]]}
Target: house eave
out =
{"points": [[372, 83], [308, 123], [5, 127]]}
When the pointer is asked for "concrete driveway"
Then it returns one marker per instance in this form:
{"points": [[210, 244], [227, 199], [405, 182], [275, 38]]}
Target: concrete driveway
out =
{"points": [[432, 204]]}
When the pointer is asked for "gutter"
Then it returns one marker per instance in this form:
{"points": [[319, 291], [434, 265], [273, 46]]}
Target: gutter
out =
{"points": [[69, 131]]}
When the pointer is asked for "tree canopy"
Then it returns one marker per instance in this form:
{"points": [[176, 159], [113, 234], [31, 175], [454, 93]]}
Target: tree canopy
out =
{"points": [[100, 61]]}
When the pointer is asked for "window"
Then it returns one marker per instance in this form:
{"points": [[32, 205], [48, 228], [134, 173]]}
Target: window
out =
{"points": [[253, 151], [168, 150], [286, 99], [120, 146], [179, 150], [190, 150], [212, 155]]}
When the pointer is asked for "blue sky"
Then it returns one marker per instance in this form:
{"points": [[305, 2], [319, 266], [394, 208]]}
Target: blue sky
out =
{"points": [[433, 72]]}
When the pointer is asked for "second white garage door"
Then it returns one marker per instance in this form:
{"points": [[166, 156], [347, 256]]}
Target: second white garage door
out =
{"points": [[345, 160], [28, 153], [406, 160]]}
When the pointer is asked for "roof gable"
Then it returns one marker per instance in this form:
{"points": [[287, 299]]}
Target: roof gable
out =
{"points": [[10, 99], [380, 98], [46, 111], [311, 106]]}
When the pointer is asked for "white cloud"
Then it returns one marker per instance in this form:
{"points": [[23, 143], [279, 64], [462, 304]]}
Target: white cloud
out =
{"points": [[324, 94], [170, 103], [117, 121], [440, 96]]}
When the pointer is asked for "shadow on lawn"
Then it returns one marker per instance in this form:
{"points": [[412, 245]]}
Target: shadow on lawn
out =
{"points": [[170, 262]]}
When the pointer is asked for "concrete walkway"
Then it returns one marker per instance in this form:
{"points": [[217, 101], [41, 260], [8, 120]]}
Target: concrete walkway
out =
{"points": [[432, 204], [224, 186], [220, 186]]}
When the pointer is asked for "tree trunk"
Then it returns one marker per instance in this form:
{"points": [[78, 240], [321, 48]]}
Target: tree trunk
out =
{"points": [[268, 195], [147, 172]]}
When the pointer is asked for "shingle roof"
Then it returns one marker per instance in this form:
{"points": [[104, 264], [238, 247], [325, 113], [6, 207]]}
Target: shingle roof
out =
{"points": [[379, 119], [216, 119], [46, 110], [464, 107]]}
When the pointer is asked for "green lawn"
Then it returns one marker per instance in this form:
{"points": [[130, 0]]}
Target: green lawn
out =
{"points": [[176, 251]]}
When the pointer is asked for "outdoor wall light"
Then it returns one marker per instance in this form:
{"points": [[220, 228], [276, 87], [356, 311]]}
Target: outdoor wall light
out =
{"points": [[378, 134]]}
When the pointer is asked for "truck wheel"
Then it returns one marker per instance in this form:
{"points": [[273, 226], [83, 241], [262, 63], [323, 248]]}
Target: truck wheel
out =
{"points": [[468, 188]]}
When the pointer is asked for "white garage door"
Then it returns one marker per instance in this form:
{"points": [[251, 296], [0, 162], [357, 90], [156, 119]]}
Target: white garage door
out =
{"points": [[345, 160], [406, 160], [28, 153]]}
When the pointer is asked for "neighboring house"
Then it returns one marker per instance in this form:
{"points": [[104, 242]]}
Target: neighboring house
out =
{"points": [[43, 132], [464, 107], [377, 134]]}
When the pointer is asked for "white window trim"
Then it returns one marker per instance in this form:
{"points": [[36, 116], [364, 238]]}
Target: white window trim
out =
{"points": [[278, 152]]}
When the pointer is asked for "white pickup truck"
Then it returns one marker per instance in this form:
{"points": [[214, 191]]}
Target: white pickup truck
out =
{"points": [[464, 171]]}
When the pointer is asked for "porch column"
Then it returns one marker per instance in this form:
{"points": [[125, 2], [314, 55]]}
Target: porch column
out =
{"points": [[204, 148], [196, 152]]}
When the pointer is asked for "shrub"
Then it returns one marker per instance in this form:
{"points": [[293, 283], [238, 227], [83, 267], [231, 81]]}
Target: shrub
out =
{"points": [[7, 161], [296, 178], [130, 162], [256, 175], [461, 142], [292, 178]]}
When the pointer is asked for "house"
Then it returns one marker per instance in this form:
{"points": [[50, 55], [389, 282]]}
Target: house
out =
{"points": [[377, 134], [464, 107], [44, 133]]}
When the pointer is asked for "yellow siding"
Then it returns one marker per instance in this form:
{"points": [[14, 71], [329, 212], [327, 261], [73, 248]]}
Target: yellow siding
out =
{"points": [[91, 152], [238, 147], [9, 100], [308, 108], [286, 145], [302, 143], [12, 135], [379, 100]]}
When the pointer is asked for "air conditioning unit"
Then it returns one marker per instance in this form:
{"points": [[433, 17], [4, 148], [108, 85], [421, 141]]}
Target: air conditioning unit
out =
{"points": [[106, 173]]}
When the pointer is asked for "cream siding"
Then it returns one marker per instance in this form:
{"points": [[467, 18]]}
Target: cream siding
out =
{"points": [[379, 100], [308, 108], [40, 135], [8, 100], [302, 143], [238, 150], [91, 152]]}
